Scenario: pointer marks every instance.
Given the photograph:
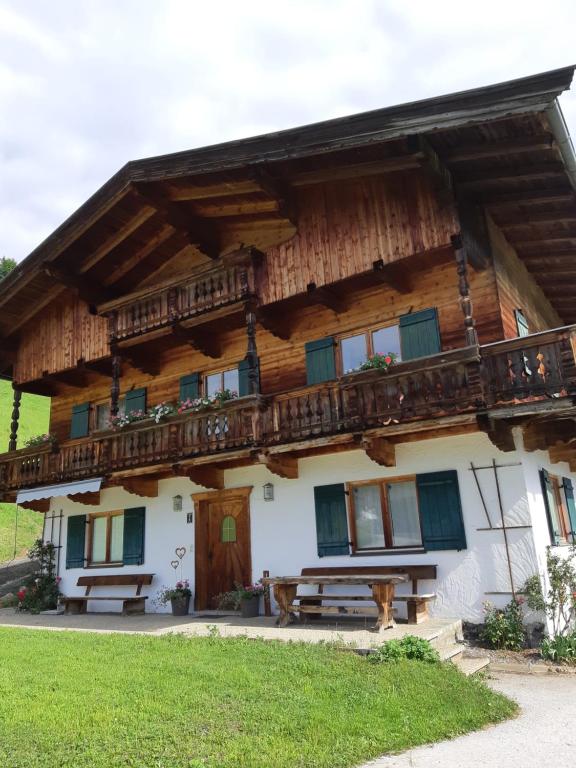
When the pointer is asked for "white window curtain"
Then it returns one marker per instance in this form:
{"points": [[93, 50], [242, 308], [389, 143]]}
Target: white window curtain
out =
{"points": [[403, 504], [368, 517]]}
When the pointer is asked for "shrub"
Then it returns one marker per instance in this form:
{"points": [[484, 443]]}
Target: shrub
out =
{"points": [[559, 604], [40, 591], [560, 648], [503, 629], [409, 647]]}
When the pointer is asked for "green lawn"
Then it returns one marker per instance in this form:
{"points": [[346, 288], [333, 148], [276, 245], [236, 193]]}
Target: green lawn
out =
{"points": [[34, 414], [111, 701]]}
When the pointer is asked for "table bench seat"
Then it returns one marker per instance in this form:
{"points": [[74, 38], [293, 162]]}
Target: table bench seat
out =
{"points": [[130, 603]]}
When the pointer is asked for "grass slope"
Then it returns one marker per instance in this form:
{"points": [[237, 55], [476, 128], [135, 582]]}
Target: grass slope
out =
{"points": [[34, 414], [79, 700]]}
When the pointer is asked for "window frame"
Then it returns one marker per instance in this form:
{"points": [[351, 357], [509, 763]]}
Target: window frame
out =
{"points": [[368, 334], [108, 563], [382, 482], [221, 373], [94, 412]]}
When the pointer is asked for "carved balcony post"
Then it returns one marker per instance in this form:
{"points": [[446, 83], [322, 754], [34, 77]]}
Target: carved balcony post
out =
{"points": [[252, 354], [115, 388], [15, 418], [464, 288]]}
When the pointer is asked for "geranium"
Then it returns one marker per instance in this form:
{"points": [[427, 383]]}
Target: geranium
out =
{"points": [[382, 362], [161, 411], [123, 419], [207, 402], [40, 440]]}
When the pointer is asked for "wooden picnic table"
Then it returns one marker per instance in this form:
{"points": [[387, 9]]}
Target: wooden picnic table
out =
{"points": [[382, 586]]}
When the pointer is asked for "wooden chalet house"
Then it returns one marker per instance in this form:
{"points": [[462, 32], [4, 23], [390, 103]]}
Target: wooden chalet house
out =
{"points": [[439, 234]]}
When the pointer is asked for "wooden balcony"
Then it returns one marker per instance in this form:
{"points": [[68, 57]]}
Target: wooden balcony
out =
{"points": [[205, 291], [535, 370]]}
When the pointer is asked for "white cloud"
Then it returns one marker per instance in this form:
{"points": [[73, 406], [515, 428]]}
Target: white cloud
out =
{"points": [[87, 85]]}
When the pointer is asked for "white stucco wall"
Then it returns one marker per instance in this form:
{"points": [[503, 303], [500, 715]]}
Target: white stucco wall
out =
{"points": [[284, 535]]}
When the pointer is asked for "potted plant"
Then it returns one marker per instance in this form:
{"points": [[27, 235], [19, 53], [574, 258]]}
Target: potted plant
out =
{"points": [[178, 596], [246, 599]]}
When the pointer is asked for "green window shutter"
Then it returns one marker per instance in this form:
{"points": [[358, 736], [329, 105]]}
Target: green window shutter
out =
{"points": [[331, 520], [571, 504], [136, 400], [440, 510], [75, 541], [190, 386], [134, 524], [420, 334], [244, 378], [320, 360], [80, 420], [550, 505], [521, 323]]}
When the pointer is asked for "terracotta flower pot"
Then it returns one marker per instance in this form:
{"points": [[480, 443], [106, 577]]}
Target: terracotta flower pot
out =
{"points": [[180, 606], [249, 607]]}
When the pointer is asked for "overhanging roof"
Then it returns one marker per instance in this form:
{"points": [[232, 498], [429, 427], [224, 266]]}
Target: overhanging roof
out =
{"points": [[445, 120], [63, 489]]}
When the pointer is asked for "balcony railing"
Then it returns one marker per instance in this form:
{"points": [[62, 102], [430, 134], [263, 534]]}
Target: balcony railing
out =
{"points": [[535, 368], [147, 311]]}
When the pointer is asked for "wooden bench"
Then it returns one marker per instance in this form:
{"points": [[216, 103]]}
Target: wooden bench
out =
{"points": [[416, 604], [130, 604]]}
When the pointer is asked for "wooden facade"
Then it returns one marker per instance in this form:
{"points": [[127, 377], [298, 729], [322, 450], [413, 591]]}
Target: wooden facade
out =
{"points": [[207, 262]]}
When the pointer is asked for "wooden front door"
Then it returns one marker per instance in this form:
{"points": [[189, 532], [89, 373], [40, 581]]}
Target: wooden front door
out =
{"points": [[223, 554]]}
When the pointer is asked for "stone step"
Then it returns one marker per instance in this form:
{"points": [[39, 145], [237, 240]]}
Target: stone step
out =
{"points": [[470, 665]]}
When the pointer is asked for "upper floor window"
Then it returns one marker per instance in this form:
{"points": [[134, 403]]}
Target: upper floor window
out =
{"points": [[218, 382], [355, 350], [102, 413], [521, 323]]}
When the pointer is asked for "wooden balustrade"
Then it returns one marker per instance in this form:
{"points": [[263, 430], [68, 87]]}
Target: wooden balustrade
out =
{"points": [[537, 367], [144, 312], [541, 365]]}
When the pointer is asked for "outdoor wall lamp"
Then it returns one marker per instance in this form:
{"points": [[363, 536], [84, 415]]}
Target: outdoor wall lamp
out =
{"points": [[177, 503], [268, 491]]}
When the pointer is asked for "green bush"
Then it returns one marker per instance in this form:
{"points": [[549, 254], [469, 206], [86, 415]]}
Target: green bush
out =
{"points": [[560, 648], [503, 629], [409, 647], [559, 603]]}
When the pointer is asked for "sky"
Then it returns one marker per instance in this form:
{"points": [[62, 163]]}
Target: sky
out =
{"points": [[86, 85]]}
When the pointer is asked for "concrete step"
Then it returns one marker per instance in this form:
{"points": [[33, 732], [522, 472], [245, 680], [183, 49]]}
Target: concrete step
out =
{"points": [[470, 665]]}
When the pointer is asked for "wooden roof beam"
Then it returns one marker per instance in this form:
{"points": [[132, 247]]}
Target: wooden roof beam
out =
{"points": [[126, 263], [496, 199], [85, 288], [281, 464], [139, 359], [206, 475], [327, 297], [201, 233], [277, 326], [278, 190], [117, 237], [519, 220], [500, 174], [484, 150], [395, 275], [199, 338]]}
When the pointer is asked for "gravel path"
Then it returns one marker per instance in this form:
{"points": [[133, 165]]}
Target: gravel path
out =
{"points": [[544, 734]]}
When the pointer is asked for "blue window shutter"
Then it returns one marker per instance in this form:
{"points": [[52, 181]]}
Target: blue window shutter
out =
{"points": [[441, 510], [80, 420], [134, 525], [331, 520], [76, 541], [420, 334], [320, 361], [244, 376], [190, 387], [571, 504], [136, 400]]}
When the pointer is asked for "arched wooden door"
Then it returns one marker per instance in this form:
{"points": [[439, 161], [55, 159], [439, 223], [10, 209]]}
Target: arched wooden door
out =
{"points": [[223, 552]]}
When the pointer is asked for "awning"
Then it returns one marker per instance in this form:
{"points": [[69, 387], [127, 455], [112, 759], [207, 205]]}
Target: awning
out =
{"points": [[64, 489]]}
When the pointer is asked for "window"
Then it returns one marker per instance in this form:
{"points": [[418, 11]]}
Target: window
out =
{"points": [[558, 499], [106, 538], [102, 418], [217, 382], [228, 531], [521, 323], [355, 350], [385, 514]]}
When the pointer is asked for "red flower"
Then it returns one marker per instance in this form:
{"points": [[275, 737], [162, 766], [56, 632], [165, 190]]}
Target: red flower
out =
{"points": [[388, 359], [21, 594]]}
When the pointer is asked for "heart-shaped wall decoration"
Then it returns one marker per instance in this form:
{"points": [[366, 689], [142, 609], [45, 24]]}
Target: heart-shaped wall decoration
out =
{"points": [[175, 563], [180, 552]]}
